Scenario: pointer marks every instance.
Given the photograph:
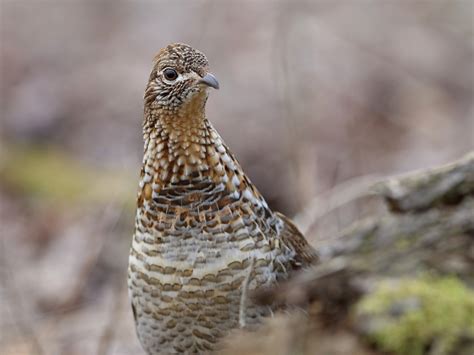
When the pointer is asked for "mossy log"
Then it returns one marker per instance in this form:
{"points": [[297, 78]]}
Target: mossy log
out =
{"points": [[400, 282]]}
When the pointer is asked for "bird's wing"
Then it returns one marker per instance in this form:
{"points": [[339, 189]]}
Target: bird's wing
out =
{"points": [[294, 239]]}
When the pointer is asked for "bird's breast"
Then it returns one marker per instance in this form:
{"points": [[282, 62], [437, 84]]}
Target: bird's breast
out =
{"points": [[202, 227]]}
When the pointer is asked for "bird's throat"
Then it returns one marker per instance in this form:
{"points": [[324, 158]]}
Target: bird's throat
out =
{"points": [[186, 150]]}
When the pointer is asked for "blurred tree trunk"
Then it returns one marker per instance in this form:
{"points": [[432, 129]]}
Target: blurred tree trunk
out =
{"points": [[400, 282]]}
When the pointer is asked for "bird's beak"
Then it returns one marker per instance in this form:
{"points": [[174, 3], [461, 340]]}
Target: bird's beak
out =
{"points": [[210, 80]]}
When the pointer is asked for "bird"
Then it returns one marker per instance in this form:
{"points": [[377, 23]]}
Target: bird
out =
{"points": [[204, 237]]}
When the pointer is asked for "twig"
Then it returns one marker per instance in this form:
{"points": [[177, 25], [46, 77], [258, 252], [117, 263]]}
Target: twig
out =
{"points": [[110, 216], [243, 297], [334, 198], [108, 332], [25, 326]]}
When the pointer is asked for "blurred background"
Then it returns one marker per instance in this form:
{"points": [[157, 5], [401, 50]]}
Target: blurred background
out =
{"points": [[314, 96]]}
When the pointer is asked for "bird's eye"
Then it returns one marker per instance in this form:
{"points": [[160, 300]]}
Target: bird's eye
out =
{"points": [[170, 74]]}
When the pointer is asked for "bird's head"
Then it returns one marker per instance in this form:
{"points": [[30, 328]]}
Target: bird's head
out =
{"points": [[179, 81]]}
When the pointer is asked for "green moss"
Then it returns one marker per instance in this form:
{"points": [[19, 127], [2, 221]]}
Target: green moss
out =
{"points": [[45, 172], [408, 316], [404, 243]]}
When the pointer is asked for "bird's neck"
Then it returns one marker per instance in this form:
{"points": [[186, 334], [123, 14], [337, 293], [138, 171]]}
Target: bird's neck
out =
{"points": [[186, 154], [182, 149]]}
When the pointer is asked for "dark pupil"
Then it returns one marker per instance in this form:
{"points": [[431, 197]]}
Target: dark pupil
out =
{"points": [[170, 74]]}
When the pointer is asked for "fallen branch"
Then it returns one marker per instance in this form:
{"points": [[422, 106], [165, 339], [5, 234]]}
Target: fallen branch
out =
{"points": [[414, 259]]}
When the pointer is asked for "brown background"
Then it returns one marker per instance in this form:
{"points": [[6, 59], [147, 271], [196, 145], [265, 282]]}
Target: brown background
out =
{"points": [[313, 95]]}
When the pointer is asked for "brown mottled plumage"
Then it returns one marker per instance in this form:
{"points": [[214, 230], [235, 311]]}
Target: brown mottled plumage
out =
{"points": [[203, 233]]}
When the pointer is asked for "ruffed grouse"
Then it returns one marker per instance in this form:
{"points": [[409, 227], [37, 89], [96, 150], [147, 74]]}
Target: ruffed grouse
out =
{"points": [[204, 236]]}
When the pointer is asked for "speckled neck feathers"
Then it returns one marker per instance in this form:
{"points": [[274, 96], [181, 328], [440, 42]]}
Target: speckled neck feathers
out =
{"points": [[182, 150]]}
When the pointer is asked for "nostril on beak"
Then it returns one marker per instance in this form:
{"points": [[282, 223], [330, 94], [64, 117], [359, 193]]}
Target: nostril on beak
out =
{"points": [[210, 80]]}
